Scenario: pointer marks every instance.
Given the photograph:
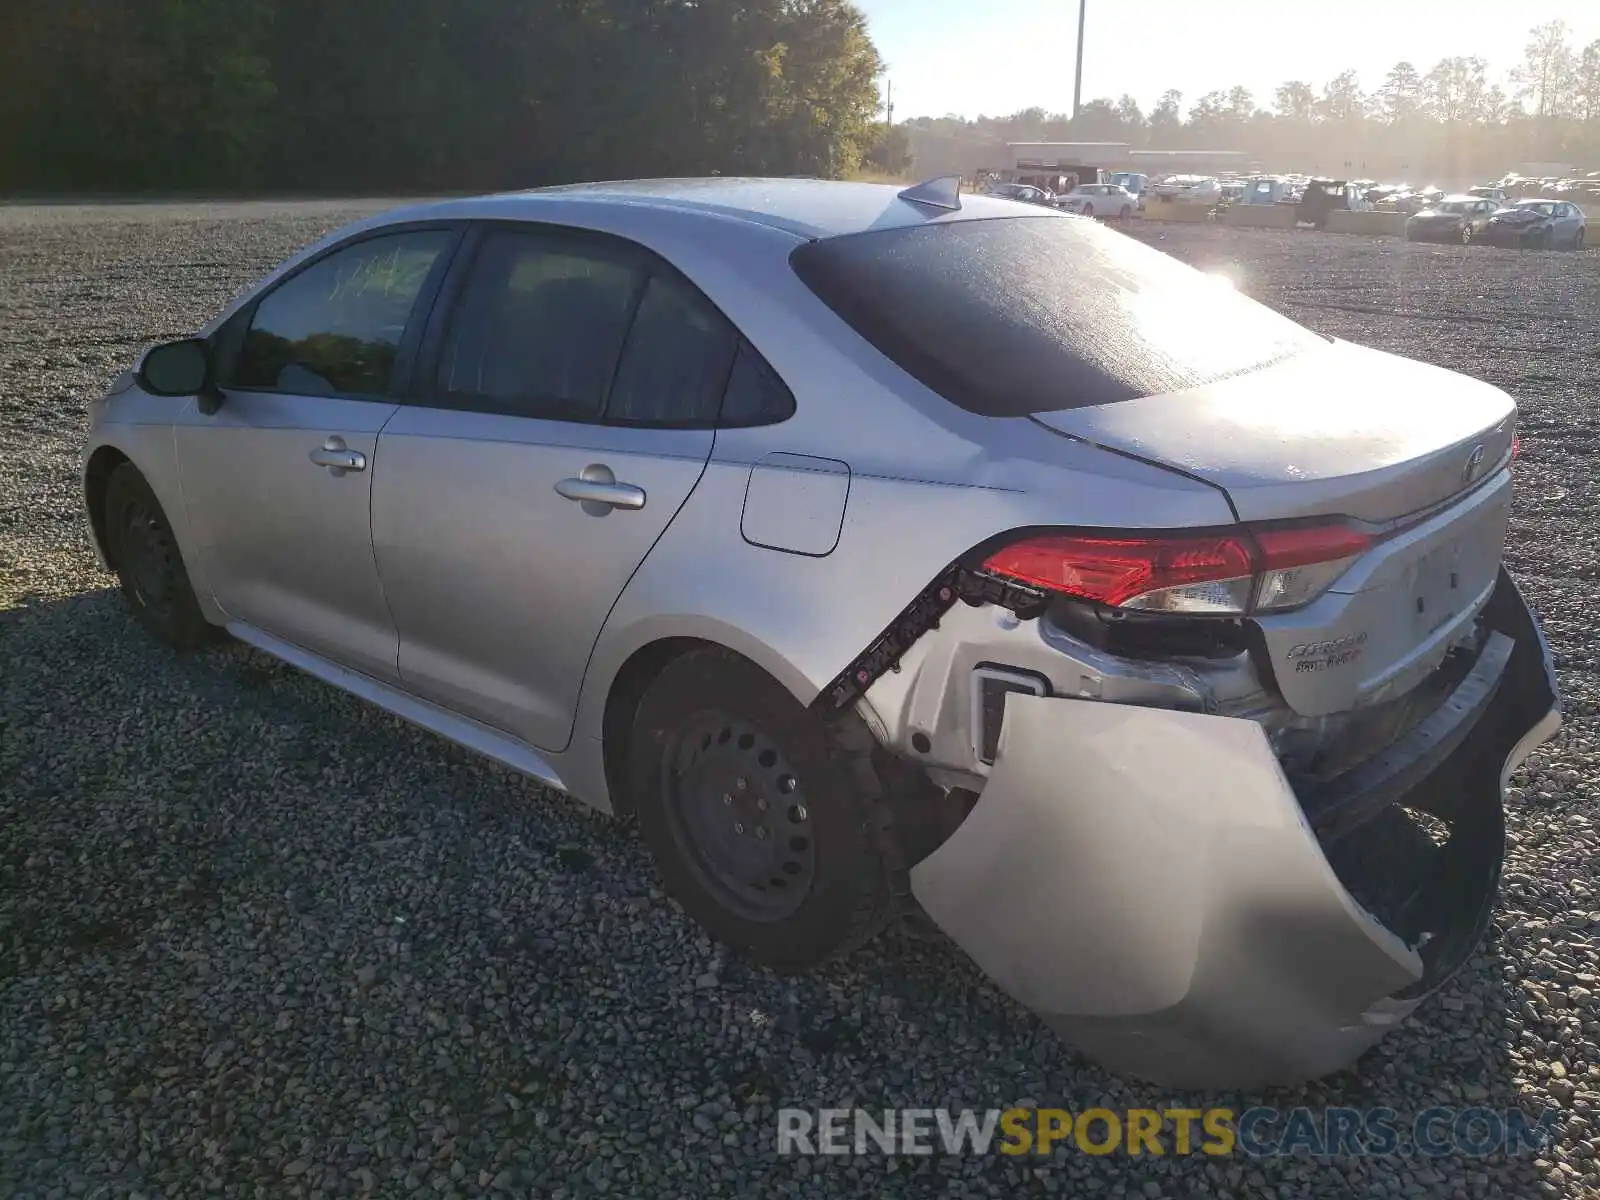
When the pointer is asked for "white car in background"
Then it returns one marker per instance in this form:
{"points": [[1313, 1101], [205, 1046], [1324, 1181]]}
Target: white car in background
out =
{"points": [[1100, 200], [1189, 189]]}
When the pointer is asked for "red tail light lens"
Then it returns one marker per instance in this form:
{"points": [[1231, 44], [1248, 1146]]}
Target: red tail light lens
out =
{"points": [[1120, 571], [1253, 570]]}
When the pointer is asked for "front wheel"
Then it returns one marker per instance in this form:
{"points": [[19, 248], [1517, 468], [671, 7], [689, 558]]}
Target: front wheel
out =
{"points": [[1577, 243], [145, 556], [765, 822], [1125, 213], [1466, 235]]}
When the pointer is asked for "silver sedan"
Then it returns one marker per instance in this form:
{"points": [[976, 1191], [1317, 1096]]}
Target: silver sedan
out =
{"points": [[1142, 637]]}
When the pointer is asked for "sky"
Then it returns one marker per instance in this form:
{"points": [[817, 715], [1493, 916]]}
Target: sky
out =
{"points": [[974, 57]]}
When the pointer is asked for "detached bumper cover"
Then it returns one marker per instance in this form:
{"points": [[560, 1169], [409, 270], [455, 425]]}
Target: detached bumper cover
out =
{"points": [[1149, 883]]}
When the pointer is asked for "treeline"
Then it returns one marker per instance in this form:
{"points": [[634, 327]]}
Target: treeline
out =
{"points": [[1452, 118], [416, 95]]}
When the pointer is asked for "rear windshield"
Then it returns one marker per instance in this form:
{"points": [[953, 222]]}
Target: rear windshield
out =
{"points": [[1012, 316]]}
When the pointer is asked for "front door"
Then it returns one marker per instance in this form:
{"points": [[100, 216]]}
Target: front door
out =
{"points": [[278, 481], [574, 397]]}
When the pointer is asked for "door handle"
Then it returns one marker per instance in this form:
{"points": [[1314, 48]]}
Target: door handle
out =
{"points": [[338, 457], [597, 489]]}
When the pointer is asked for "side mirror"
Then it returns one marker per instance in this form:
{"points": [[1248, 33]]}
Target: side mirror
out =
{"points": [[181, 369]]}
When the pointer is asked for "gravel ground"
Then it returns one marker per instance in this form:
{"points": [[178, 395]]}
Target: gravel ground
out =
{"points": [[258, 939]]}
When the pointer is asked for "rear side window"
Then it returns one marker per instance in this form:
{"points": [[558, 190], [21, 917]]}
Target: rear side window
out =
{"points": [[335, 328], [755, 395], [539, 329], [676, 360], [1011, 316]]}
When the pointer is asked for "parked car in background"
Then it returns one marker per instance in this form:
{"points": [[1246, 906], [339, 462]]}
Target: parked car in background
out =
{"points": [[1538, 225], [1134, 182], [1106, 200], [1267, 189], [1140, 635], [1188, 189], [1025, 192], [1453, 219], [1490, 191], [1323, 196]]}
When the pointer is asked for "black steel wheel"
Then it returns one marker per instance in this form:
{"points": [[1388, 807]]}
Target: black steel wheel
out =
{"points": [[145, 555], [739, 816], [766, 822]]}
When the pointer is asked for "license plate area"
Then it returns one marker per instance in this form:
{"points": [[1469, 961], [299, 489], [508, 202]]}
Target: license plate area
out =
{"points": [[1440, 589]]}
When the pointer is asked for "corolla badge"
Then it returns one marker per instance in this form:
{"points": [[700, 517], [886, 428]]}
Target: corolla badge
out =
{"points": [[1474, 464]]}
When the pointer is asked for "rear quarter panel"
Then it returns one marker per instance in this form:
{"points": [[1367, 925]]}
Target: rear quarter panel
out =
{"points": [[928, 481]]}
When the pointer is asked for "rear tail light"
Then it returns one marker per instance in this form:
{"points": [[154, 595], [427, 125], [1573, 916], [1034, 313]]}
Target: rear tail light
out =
{"points": [[1230, 574]]}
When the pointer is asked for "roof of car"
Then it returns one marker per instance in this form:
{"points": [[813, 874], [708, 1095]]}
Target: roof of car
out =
{"points": [[810, 208]]}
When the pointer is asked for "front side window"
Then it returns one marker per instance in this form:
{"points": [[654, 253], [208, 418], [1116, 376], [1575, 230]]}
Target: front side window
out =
{"points": [[335, 328]]}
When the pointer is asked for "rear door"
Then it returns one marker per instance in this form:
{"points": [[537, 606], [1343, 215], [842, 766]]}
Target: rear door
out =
{"points": [[278, 481], [564, 412]]}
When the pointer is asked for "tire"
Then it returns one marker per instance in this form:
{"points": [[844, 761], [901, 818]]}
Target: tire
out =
{"points": [[149, 565], [1466, 235], [767, 824], [1577, 243], [1125, 213], [1540, 241]]}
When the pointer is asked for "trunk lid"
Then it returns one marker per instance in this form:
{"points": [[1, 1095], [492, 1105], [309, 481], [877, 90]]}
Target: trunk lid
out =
{"points": [[1341, 431]]}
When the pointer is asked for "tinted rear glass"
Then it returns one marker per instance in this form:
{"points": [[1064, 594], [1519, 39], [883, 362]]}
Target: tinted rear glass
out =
{"points": [[1013, 316]]}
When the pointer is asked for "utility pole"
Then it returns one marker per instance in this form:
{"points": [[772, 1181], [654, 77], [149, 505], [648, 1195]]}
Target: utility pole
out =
{"points": [[1077, 75], [889, 107]]}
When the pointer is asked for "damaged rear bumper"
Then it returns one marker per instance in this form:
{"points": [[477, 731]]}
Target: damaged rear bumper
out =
{"points": [[1150, 883]]}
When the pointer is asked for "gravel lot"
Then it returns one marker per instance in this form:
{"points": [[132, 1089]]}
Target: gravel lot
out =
{"points": [[258, 939]]}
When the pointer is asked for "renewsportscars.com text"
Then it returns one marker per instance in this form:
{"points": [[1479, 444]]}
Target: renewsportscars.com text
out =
{"points": [[1219, 1132]]}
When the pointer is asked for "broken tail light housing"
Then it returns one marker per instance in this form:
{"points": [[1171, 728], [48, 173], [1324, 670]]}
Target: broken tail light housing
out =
{"points": [[1234, 573]]}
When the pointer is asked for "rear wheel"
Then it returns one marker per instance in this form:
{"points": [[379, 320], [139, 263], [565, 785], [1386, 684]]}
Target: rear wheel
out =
{"points": [[148, 564], [766, 823]]}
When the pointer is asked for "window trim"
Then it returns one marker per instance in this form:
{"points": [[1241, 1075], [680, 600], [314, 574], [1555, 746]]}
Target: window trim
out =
{"points": [[229, 339], [424, 392]]}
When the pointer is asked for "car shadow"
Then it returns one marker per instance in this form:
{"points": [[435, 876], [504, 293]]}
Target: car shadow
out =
{"points": [[163, 811]]}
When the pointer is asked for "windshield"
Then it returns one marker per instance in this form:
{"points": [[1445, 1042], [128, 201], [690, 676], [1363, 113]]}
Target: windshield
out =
{"points": [[1543, 207], [1454, 206], [1011, 316]]}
